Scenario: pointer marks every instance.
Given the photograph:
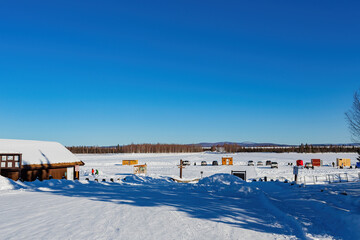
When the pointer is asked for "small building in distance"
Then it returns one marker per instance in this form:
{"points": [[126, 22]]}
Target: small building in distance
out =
{"points": [[316, 162], [140, 169], [227, 161], [130, 162], [343, 162], [30, 160]]}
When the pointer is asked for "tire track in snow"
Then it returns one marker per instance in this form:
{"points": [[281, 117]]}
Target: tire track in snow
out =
{"points": [[287, 220]]}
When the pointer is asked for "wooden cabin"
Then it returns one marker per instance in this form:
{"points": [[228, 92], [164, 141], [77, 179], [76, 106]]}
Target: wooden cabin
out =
{"points": [[30, 160]]}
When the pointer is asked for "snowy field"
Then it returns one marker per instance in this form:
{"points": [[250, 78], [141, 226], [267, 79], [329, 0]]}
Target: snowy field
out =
{"points": [[220, 206], [110, 165]]}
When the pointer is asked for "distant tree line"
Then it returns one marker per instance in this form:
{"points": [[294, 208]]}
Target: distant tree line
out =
{"points": [[303, 148], [230, 148], [138, 148]]}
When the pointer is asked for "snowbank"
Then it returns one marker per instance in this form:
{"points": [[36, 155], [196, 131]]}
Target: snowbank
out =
{"points": [[138, 179], [220, 179], [7, 184], [225, 184]]}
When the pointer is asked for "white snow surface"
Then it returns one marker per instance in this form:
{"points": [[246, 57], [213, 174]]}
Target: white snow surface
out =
{"points": [[110, 165], [219, 206], [38, 152], [6, 184]]}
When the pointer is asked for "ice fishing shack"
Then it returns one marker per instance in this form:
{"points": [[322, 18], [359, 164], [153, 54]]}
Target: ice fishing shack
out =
{"points": [[343, 162], [227, 161]]}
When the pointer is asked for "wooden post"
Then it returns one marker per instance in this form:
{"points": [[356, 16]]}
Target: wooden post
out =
{"points": [[20, 165], [295, 172], [181, 167]]}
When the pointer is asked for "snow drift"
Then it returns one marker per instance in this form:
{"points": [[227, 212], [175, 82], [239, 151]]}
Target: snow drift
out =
{"points": [[226, 184], [7, 184]]}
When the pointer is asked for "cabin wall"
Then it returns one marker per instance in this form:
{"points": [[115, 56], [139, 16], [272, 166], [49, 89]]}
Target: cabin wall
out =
{"points": [[14, 175], [42, 174], [32, 174]]}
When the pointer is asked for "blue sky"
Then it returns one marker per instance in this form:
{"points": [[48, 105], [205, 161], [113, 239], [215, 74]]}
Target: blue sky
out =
{"points": [[117, 72]]}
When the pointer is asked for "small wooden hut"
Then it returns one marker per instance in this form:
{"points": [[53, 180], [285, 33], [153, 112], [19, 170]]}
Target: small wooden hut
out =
{"points": [[227, 161], [343, 162], [130, 162], [140, 169]]}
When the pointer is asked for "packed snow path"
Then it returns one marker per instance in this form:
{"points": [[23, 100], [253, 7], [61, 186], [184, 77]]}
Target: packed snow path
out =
{"points": [[320, 211]]}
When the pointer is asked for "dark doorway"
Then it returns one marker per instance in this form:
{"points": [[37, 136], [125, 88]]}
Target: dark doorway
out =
{"points": [[240, 174]]}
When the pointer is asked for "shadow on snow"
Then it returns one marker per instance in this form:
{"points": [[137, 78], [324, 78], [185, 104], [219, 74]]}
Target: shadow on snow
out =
{"points": [[234, 209]]}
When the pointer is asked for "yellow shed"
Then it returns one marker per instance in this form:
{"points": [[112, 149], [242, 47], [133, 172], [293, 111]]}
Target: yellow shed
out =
{"points": [[343, 162], [227, 161], [130, 162]]}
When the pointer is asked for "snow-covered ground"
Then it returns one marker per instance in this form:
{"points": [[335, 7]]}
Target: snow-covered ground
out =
{"points": [[110, 165], [219, 206]]}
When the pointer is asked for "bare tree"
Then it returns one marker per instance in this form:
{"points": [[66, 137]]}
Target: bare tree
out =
{"points": [[353, 118]]}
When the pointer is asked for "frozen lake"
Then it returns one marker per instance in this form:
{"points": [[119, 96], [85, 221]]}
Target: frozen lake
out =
{"points": [[110, 165]]}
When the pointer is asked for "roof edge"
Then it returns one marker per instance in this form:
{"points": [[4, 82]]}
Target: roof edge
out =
{"points": [[54, 165]]}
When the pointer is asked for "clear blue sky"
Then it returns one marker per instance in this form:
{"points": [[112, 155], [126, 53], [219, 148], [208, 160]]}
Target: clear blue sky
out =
{"points": [[117, 72]]}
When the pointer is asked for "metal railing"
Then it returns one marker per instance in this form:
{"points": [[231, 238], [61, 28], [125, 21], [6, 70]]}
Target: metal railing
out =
{"points": [[329, 178]]}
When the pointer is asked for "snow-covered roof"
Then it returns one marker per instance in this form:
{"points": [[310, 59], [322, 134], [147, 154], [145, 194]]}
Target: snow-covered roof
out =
{"points": [[38, 152]]}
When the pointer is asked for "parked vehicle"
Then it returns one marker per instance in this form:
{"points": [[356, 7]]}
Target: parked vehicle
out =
{"points": [[357, 165], [309, 165], [215, 163], [203, 163], [274, 165], [260, 163], [251, 163], [186, 163], [268, 163]]}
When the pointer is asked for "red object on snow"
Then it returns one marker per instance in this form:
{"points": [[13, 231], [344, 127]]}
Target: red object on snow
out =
{"points": [[299, 163], [316, 162]]}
